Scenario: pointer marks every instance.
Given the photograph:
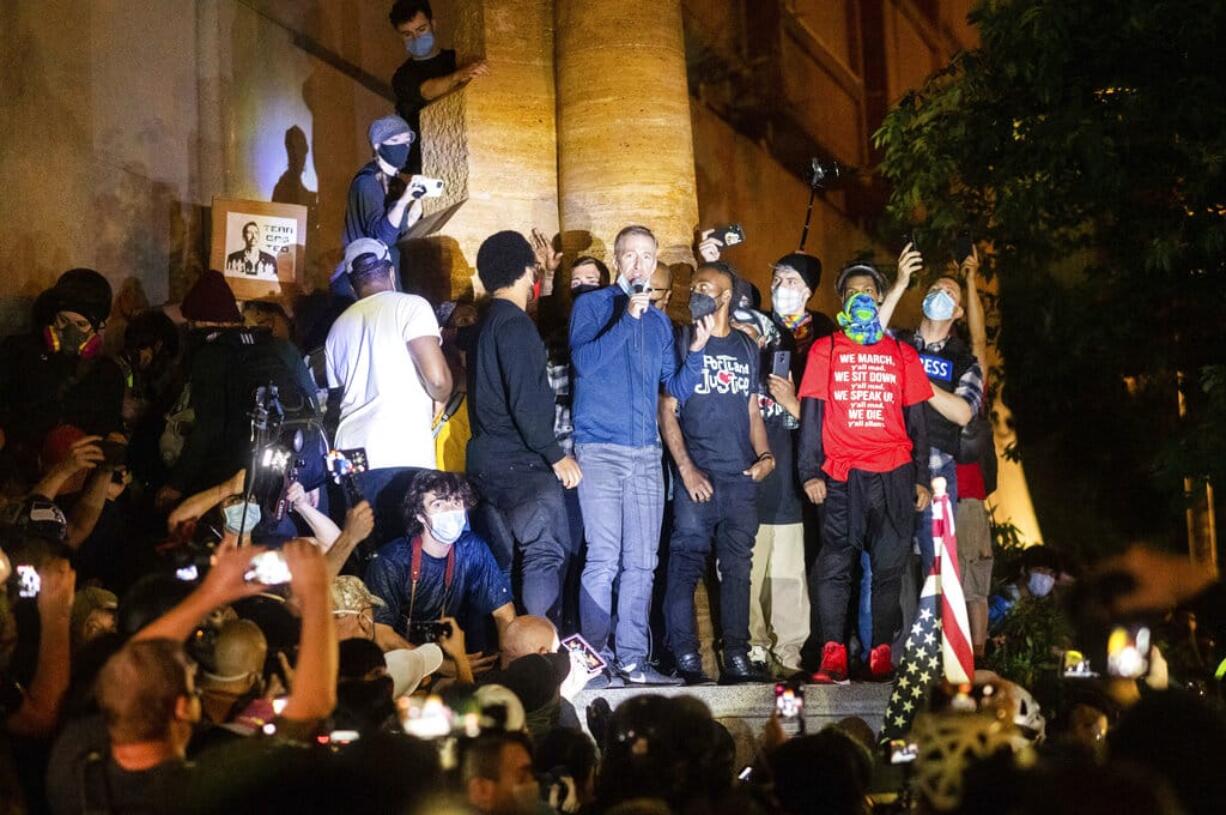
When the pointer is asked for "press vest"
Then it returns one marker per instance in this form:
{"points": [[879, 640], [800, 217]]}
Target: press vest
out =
{"points": [[945, 369]]}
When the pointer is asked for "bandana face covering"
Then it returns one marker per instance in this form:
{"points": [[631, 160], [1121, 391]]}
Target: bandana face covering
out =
{"points": [[858, 319]]}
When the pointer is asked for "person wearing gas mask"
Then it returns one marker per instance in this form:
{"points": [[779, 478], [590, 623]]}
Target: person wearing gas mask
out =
{"points": [[863, 455], [439, 568], [718, 443], [430, 70], [381, 205], [56, 374], [623, 353]]}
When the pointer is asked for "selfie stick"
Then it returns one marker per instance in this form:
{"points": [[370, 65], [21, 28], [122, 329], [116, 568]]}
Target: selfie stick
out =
{"points": [[804, 233]]}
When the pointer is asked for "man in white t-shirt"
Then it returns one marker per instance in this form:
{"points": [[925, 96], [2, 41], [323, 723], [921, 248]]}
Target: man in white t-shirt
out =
{"points": [[383, 354]]}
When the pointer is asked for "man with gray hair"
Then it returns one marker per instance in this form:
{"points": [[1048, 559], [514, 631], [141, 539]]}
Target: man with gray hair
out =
{"points": [[381, 205], [622, 352]]}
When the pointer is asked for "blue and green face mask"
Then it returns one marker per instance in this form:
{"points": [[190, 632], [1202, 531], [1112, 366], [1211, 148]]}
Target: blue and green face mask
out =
{"points": [[859, 319]]}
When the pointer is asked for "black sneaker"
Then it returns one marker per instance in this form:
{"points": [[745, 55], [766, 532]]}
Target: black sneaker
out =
{"points": [[643, 674], [689, 668]]}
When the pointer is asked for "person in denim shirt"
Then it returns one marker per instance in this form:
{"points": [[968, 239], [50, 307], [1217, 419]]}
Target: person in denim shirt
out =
{"points": [[622, 353]]}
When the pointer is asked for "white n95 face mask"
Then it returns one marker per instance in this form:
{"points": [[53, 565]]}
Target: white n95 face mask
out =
{"points": [[787, 301]]}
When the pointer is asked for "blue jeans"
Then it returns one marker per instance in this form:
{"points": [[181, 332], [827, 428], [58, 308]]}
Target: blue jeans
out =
{"points": [[729, 521], [622, 498]]}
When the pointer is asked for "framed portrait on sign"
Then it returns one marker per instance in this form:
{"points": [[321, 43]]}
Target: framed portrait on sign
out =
{"points": [[260, 247]]}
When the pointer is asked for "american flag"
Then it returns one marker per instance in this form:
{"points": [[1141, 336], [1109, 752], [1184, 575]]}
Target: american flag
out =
{"points": [[938, 646]]}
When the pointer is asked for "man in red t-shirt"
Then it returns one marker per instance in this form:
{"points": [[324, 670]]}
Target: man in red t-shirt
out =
{"points": [[864, 456]]}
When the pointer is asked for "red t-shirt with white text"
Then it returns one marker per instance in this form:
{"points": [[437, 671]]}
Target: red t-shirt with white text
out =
{"points": [[865, 388]]}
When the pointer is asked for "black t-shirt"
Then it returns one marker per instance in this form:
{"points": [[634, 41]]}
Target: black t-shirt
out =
{"points": [[715, 415], [780, 500], [74, 780], [406, 84]]}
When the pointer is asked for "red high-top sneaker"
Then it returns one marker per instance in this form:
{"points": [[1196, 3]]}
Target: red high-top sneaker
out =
{"points": [[880, 665], [834, 665]]}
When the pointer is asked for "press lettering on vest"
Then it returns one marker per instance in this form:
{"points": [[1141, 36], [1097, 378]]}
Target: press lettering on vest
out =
{"points": [[938, 368]]}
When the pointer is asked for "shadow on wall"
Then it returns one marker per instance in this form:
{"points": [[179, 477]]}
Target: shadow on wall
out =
{"points": [[290, 189], [431, 267], [329, 95]]}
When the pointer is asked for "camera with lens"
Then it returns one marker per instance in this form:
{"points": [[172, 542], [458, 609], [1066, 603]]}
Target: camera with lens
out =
{"points": [[823, 173], [422, 632]]}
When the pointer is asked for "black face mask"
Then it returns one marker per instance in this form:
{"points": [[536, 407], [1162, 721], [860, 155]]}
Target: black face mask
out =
{"points": [[702, 305], [583, 288], [396, 155]]}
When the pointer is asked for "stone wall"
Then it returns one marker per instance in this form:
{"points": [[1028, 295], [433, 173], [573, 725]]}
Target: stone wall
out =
{"points": [[493, 142], [117, 131]]}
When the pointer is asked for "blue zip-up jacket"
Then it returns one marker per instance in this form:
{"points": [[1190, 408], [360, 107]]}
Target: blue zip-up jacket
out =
{"points": [[619, 365]]}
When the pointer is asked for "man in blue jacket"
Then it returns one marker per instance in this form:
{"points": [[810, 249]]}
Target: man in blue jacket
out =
{"points": [[622, 353]]}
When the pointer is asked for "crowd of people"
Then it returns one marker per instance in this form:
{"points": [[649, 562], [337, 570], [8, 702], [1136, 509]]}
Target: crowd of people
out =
{"points": [[363, 551]]}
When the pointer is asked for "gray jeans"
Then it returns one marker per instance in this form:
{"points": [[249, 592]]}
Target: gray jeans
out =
{"points": [[622, 498]]}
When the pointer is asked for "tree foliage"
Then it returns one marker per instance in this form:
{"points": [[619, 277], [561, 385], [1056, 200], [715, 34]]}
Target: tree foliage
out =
{"points": [[1085, 142]]}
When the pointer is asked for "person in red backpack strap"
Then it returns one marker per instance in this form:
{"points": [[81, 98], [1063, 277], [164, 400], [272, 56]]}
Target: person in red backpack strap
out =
{"points": [[863, 455]]}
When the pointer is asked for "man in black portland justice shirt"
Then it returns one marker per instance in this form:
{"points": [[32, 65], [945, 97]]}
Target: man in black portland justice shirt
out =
{"points": [[718, 443]]}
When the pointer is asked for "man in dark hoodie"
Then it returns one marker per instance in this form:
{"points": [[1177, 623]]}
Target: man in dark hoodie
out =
{"points": [[226, 363]]}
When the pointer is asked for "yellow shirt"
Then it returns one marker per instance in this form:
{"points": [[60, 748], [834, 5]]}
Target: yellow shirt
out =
{"points": [[451, 440]]}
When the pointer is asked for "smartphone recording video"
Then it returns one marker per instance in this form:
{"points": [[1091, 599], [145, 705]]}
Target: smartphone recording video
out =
{"points": [[29, 584], [430, 187], [428, 718], [114, 453], [591, 658], [790, 705], [1128, 651], [729, 235], [781, 364], [903, 752], [344, 466], [269, 568]]}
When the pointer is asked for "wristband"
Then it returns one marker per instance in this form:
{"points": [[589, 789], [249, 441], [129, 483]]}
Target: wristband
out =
{"points": [[764, 456]]}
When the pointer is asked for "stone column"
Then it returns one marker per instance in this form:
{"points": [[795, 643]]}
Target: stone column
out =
{"points": [[625, 148], [493, 142]]}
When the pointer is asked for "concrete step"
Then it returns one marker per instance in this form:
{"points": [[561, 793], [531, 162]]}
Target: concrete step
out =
{"points": [[745, 709]]}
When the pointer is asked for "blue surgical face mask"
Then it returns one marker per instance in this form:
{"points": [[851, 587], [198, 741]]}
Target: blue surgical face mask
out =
{"points": [[1040, 584], [939, 305], [420, 46], [447, 527], [233, 516]]}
